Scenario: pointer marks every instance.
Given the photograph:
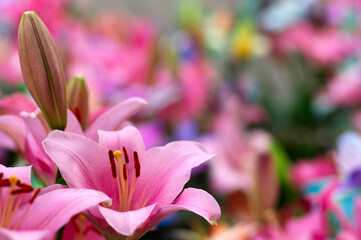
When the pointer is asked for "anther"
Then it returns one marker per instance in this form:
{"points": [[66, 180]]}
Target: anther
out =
{"points": [[4, 183], [125, 155], [112, 164], [22, 190], [125, 172], [136, 164], [35, 195], [23, 185]]}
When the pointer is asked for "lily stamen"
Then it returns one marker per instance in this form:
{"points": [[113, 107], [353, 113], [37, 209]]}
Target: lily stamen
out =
{"points": [[112, 164], [125, 188], [118, 157], [125, 155], [136, 164]]}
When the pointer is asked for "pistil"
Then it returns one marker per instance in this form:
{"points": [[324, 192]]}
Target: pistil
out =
{"points": [[117, 155]]}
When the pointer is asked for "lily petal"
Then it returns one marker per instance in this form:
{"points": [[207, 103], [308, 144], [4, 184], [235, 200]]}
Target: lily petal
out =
{"points": [[73, 124], [37, 157], [35, 126], [15, 128], [111, 119], [169, 173], [89, 161], [115, 140], [6, 234], [22, 173], [7, 142], [194, 200], [55, 208], [126, 223]]}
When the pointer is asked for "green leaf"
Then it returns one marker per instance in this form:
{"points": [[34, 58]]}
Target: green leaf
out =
{"points": [[61, 181]]}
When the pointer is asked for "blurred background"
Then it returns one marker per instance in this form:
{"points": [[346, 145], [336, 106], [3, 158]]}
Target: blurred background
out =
{"points": [[269, 86]]}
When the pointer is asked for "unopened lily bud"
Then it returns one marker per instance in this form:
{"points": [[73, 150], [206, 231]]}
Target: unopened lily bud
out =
{"points": [[264, 189], [42, 69], [77, 94]]}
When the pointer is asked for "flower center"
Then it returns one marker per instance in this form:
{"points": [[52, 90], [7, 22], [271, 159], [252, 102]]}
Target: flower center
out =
{"points": [[10, 204], [125, 182]]}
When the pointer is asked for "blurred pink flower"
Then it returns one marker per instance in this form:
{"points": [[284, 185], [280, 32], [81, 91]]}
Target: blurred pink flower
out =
{"points": [[145, 186]]}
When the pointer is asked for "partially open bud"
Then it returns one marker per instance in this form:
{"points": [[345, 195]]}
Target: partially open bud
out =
{"points": [[42, 69], [264, 190], [78, 100]]}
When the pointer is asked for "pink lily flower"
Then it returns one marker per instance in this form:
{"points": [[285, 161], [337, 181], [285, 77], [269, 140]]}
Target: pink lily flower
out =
{"points": [[27, 213], [145, 185], [29, 130]]}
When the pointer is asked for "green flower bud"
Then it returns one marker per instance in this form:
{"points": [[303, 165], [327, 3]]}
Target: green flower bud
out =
{"points": [[77, 93], [42, 69]]}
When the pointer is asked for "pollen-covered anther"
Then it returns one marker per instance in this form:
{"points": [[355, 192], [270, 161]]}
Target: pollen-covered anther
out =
{"points": [[136, 164], [126, 157], [125, 172], [112, 164], [4, 183], [23, 188], [23, 185]]}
